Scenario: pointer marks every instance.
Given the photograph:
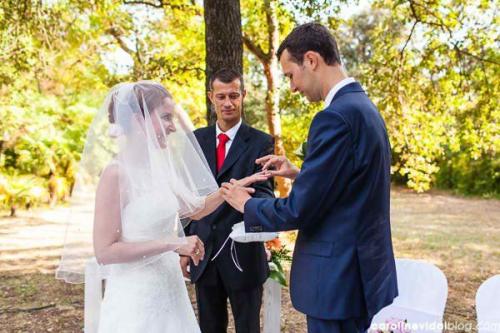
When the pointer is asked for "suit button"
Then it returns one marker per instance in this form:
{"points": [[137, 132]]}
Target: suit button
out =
{"points": [[256, 228], [214, 227]]}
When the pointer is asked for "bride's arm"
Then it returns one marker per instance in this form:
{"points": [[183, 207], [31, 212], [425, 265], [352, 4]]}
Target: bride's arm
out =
{"points": [[108, 247], [212, 202]]}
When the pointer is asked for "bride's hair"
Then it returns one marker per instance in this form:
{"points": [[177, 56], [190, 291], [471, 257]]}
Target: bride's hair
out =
{"points": [[149, 93]]}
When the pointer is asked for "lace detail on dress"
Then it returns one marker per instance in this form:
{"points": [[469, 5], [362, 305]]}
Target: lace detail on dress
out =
{"points": [[152, 297]]}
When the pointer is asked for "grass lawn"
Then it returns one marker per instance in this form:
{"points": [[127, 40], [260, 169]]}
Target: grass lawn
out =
{"points": [[460, 235]]}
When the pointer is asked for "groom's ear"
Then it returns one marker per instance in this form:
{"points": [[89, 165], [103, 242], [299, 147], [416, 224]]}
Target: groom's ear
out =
{"points": [[311, 60]]}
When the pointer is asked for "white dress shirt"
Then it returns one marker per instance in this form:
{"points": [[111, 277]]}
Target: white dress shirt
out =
{"points": [[336, 88], [231, 133]]}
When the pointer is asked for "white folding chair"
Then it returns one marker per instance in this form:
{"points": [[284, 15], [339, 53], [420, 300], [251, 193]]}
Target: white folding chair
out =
{"points": [[488, 306], [93, 296], [423, 290], [272, 306]]}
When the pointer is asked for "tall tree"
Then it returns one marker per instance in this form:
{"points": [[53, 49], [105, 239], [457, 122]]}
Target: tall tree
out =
{"points": [[224, 47], [270, 65]]}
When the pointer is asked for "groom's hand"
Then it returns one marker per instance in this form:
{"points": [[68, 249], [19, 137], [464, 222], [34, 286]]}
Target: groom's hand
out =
{"points": [[236, 195], [184, 261], [274, 165]]}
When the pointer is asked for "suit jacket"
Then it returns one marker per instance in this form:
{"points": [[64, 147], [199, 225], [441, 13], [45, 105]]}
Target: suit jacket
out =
{"points": [[249, 144], [343, 264]]}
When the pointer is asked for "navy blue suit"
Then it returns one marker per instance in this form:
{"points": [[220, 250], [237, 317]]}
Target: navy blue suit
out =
{"points": [[220, 279], [343, 264]]}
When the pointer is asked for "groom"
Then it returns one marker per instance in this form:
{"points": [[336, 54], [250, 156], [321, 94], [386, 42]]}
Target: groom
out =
{"points": [[343, 269], [231, 148]]}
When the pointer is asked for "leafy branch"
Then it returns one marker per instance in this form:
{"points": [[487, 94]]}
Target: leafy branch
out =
{"points": [[415, 7]]}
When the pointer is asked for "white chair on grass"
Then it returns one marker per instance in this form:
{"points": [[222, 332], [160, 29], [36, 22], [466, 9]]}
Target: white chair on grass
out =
{"points": [[423, 290], [272, 307], [93, 296], [488, 306]]}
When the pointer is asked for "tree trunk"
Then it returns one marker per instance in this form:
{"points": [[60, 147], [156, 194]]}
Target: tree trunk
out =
{"points": [[270, 64], [224, 46], [273, 120], [53, 189]]}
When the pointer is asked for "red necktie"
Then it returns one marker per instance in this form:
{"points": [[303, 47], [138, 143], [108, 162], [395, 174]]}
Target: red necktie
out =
{"points": [[221, 150]]}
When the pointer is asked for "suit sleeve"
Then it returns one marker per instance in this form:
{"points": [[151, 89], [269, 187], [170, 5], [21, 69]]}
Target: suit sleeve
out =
{"points": [[189, 229], [324, 175], [264, 189]]}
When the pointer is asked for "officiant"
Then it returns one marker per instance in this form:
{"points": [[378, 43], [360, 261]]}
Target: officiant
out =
{"points": [[234, 271]]}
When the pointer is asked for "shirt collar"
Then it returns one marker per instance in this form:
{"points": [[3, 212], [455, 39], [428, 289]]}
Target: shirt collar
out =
{"points": [[231, 133], [336, 88]]}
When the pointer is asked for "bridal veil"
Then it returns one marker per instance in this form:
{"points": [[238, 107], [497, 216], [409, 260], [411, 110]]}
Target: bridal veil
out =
{"points": [[149, 138]]}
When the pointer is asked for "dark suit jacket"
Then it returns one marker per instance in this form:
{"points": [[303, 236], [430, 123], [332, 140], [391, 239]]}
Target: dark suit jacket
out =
{"points": [[249, 144], [343, 264]]}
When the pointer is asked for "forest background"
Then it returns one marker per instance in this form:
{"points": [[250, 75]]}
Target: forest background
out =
{"points": [[430, 66]]}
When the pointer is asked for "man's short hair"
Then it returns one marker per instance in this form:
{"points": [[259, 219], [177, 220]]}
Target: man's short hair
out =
{"points": [[310, 37], [225, 75]]}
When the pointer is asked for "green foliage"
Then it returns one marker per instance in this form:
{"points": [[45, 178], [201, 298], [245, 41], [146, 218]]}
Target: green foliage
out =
{"points": [[21, 191], [431, 68], [56, 69], [296, 118], [42, 141], [279, 256]]}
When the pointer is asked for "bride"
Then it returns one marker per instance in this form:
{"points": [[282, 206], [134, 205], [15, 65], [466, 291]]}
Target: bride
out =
{"points": [[147, 175]]}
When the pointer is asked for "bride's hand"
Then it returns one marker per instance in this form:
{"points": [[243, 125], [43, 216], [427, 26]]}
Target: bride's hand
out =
{"points": [[255, 178], [194, 249]]}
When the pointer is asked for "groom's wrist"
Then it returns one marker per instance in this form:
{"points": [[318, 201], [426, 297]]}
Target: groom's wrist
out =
{"points": [[245, 207], [244, 204]]}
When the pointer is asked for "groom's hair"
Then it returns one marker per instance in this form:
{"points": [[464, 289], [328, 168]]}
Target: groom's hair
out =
{"points": [[310, 37], [226, 75]]}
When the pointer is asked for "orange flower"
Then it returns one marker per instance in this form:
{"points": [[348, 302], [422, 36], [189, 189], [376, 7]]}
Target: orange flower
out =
{"points": [[273, 244]]}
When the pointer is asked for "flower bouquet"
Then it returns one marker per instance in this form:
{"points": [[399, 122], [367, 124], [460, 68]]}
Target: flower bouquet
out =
{"points": [[278, 255]]}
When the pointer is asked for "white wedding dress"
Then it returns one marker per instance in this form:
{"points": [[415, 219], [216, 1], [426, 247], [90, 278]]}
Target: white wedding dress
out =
{"points": [[149, 296], [144, 169]]}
